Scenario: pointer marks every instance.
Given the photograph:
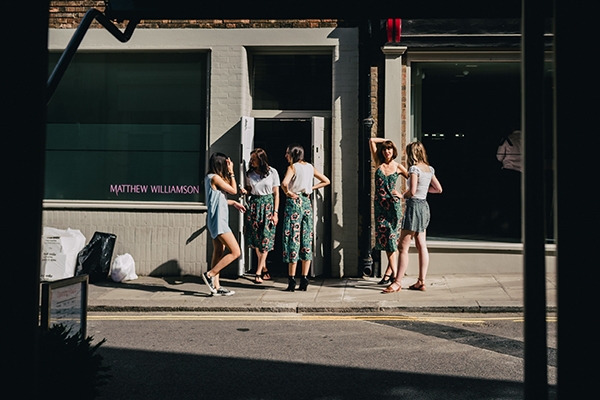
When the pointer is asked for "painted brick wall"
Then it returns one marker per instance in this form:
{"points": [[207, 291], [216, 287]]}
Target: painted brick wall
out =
{"points": [[66, 14], [158, 241]]}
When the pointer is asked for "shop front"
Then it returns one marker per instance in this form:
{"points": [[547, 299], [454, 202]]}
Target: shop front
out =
{"points": [[131, 125], [456, 87]]}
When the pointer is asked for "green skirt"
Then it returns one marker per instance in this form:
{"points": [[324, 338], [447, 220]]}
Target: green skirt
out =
{"points": [[260, 229]]}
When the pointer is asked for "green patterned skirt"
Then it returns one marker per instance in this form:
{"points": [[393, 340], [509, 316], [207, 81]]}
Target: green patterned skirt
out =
{"points": [[297, 230], [260, 229]]}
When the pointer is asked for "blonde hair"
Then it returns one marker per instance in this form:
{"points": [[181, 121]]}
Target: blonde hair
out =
{"points": [[415, 153]]}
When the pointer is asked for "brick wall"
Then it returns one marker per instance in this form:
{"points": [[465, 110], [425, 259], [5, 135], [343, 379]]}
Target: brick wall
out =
{"points": [[67, 14]]}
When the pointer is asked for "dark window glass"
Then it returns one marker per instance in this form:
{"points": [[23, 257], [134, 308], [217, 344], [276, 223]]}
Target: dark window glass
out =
{"points": [[128, 127], [291, 82], [463, 111]]}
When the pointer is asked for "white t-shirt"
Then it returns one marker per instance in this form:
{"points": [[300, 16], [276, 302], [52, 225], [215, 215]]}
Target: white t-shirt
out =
{"points": [[423, 183], [262, 186]]}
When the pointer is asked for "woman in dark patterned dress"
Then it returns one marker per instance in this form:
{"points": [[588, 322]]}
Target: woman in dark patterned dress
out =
{"points": [[387, 203]]}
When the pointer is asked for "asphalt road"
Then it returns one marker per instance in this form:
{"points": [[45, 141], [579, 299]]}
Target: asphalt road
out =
{"points": [[291, 356]]}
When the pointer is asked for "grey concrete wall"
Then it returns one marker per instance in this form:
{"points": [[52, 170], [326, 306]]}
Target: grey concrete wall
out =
{"points": [[158, 241]]}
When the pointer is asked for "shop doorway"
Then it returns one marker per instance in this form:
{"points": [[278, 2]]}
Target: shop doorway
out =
{"points": [[274, 135]]}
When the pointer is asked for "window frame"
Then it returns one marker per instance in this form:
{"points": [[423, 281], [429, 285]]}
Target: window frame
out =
{"points": [[205, 126]]}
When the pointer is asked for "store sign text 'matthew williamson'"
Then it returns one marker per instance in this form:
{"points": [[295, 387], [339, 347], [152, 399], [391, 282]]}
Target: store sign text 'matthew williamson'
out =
{"points": [[155, 189]]}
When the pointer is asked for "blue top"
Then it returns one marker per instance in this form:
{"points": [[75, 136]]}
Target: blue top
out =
{"points": [[217, 219]]}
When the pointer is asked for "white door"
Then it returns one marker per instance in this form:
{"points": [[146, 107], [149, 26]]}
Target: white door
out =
{"points": [[318, 160], [247, 144]]}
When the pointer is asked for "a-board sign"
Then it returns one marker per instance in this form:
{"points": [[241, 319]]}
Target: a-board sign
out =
{"points": [[65, 302]]}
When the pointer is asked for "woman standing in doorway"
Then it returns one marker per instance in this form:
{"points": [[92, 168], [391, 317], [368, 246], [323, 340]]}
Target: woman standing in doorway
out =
{"points": [[422, 180], [220, 181], [388, 203], [262, 184], [298, 234]]}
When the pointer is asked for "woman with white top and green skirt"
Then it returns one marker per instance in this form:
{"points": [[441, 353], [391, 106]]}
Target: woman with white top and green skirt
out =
{"points": [[421, 180], [262, 184], [298, 184]]}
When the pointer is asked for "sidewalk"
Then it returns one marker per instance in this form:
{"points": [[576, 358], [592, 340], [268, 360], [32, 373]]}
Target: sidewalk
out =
{"points": [[484, 293]]}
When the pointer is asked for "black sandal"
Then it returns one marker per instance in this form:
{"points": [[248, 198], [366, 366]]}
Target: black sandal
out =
{"points": [[258, 279], [265, 275], [386, 280]]}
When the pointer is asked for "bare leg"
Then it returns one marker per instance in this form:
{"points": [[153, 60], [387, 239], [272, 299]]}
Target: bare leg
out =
{"points": [[217, 255], [423, 252], [262, 264], [305, 267], [220, 259], [405, 238], [392, 269], [292, 268]]}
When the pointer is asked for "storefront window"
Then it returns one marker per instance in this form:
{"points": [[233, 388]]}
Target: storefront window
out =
{"points": [[128, 127], [291, 82], [462, 112]]}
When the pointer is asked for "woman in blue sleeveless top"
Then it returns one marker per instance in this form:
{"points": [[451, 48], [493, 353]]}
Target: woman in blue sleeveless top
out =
{"points": [[219, 182]]}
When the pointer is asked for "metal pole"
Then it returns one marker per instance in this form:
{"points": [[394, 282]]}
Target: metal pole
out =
{"points": [[532, 185], [67, 56], [367, 257], [576, 216], [366, 44]]}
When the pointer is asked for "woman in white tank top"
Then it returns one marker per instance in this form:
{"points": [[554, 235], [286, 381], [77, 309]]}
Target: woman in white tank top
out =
{"points": [[297, 185]]}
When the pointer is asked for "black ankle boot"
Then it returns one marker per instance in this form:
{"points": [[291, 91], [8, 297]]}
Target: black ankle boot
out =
{"points": [[291, 284], [303, 283]]}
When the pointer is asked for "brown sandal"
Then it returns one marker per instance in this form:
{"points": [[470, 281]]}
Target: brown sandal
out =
{"points": [[419, 285], [390, 289]]}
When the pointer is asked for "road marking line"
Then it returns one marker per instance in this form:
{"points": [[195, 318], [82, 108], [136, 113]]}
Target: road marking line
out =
{"points": [[298, 317]]}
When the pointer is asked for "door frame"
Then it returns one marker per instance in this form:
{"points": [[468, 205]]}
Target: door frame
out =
{"points": [[319, 130]]}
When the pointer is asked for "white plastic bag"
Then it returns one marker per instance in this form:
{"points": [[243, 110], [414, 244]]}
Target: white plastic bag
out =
{"points": [[59, 253], [123, 268]]}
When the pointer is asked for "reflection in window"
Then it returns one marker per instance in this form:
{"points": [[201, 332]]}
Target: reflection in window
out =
{"points": [[128, 127], [462, 113], [291, 82]]}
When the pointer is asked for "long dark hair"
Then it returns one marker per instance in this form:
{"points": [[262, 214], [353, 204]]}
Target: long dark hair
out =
{"points": [[263, 163], [218, 165], [296, 152]]}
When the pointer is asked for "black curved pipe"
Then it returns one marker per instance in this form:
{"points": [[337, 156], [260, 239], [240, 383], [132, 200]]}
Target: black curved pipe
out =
{"points": [[67, 56]]}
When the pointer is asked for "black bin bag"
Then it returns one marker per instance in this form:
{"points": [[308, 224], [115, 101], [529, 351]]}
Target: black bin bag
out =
{"points": [[94, 259]]}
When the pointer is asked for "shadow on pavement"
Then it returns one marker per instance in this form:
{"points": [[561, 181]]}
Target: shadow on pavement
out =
{"points": [[159, 375], [498, 344]]}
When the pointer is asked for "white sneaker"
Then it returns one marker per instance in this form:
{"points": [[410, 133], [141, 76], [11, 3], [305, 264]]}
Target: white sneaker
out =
{"points": [[224, 292], [209, 282]]}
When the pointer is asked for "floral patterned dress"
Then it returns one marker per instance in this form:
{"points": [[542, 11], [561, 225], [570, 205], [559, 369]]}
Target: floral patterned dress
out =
{"points": [[388, 212]]}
